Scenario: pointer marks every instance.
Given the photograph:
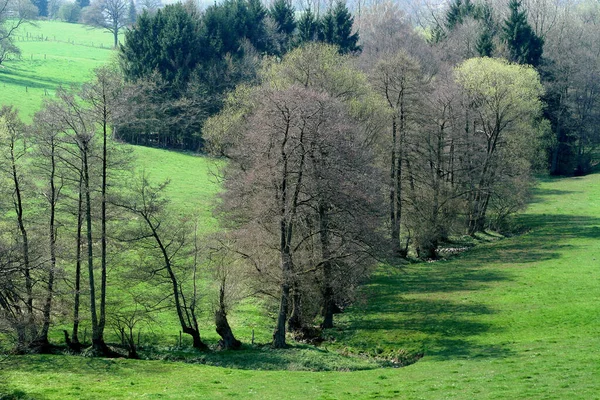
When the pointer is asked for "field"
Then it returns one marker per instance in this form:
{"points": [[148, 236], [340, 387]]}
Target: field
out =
{"points": [[52, 54], [516, 318], [510, 318]]}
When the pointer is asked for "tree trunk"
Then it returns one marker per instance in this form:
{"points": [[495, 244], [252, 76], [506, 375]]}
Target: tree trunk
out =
{"points": [[228, 341], [295, 320], [328, 292], [279, 334], [43, 338], [102, 319], [18, 204], [75, 339]]}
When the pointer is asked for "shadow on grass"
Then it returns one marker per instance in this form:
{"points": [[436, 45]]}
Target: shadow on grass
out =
{"points": [[295, 358], [27, 80], [429, 307]]}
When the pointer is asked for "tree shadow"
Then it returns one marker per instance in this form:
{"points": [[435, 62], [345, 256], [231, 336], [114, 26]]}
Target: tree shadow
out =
{"points": [[11, 76], [429, 306]]}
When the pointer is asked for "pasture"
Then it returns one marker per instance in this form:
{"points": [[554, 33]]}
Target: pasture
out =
{"points": [[52, 54], [515, 318]]}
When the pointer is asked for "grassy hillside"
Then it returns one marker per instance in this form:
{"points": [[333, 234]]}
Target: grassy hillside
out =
{"points": [[516, 318], [53, 53]]}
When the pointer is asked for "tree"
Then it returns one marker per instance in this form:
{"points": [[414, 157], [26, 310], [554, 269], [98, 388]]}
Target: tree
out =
{"points": [[168, 238], [8, 27], [308, 27], [336, 29], [282, 13], [150, 6], [502, 102], [166, 42], [131, 13], [111, 15], [69, 12], [399, 80], [524, 46], [15, 149], [42, 7]]}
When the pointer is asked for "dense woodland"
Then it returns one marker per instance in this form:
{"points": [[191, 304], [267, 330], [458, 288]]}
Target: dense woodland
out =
{"points": [[346, 138]]}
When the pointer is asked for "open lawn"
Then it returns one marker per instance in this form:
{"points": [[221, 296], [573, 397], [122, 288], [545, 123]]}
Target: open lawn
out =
{"points": [[516, 318], [52, 54]]}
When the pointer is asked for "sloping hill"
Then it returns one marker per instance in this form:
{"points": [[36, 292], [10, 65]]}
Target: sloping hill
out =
{"points": [[52, 54], [516, 318]]}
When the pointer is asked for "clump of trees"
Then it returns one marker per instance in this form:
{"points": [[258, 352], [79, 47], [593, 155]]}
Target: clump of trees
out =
{"points": [[341, 151]]}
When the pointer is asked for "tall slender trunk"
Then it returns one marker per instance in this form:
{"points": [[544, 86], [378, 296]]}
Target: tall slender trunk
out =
{"points": [[75, 335], [43, 338], [102, 319], [288, 208], [97, 335], [394, 220], [328, 292], [18, 204]]}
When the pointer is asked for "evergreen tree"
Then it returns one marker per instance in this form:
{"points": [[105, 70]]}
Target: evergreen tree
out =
{"points": [[166, 42], [132, 16], [454, 14], [336, 28], [82, 3], [282, 13], [485, 43], [42, 6], [458, 11], [327, 28], [345, 39], [524, 46], [308, 27]]}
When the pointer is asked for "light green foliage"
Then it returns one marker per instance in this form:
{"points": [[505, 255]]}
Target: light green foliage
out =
{"points": [[52, 54], [506, 100]]}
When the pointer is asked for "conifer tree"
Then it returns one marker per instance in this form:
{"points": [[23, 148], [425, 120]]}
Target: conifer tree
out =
{"points": [[132, 12], [282, 13], [524, 46], [307, 27]]}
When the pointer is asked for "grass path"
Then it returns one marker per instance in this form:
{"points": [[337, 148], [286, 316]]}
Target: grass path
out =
{"points": [[518, 318]]}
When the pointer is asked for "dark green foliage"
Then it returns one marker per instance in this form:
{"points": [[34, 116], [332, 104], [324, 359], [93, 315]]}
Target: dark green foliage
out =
{"points": [[42, 6], [524, 46], [454, 14], [336, 29], [308, 27], [82, 3], [225, 26], [166, 42], [69, 12], [282, 13], [457, 13], [485, 45]]}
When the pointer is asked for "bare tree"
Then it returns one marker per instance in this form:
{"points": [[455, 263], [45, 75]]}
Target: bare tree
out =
{"points": [[111, 15], [168, 238]]}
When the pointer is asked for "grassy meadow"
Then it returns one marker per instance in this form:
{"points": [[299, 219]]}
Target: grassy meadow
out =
{"points": [[511, 318], [515, 318], [52, 54]]}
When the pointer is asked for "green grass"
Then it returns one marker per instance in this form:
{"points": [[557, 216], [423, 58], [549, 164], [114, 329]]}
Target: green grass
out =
{"points": [[516, 318], [53, 54]]}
